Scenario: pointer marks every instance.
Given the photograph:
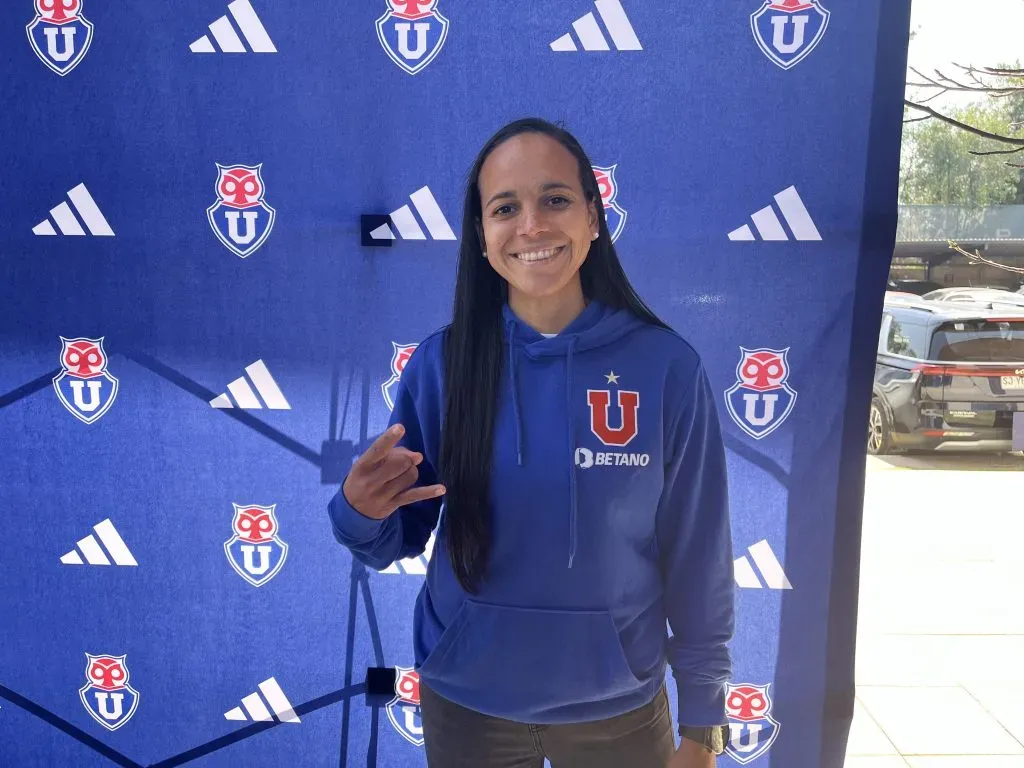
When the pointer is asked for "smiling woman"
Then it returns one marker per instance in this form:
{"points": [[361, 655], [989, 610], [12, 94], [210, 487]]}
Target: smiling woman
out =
{"points": [[575, 441], [537, 226]]}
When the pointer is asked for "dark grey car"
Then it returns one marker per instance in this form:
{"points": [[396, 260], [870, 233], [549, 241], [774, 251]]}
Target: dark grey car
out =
{"points": [[948, 377]]}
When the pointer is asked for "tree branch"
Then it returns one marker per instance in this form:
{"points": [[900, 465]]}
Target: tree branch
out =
{"points": [[977, 258], [997, 151], [964, 126], [945, 83]]}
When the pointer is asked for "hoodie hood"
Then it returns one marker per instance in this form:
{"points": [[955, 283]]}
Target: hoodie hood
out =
{"points": [[596, 326]]}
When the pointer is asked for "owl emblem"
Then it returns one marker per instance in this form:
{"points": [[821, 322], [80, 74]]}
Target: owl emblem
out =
{"points": [[255, 550], [761, 399], [399, 357], [240, 217], [84, 386], [614, 214], [752, 729], [106, 694], [404, 710], [412, 33], [59, 34]]}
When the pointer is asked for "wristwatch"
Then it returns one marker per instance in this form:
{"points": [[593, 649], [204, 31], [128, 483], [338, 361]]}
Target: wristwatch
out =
{"points": [[713, 737]]}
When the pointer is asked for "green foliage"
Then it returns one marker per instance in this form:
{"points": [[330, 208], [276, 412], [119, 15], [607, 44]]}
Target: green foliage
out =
{"points": [[936, 166]]}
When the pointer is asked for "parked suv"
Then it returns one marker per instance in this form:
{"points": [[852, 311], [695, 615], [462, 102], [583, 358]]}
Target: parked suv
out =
{"points": [[948, 376]]}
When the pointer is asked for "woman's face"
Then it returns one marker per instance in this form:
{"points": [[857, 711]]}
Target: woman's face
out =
{"points": [[537, 224]]}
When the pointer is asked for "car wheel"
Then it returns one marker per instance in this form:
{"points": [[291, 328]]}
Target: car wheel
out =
{"points": [[879, 438]]}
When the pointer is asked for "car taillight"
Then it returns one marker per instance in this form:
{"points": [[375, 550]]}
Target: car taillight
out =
{"points": [[953, 369], [930, 369]]}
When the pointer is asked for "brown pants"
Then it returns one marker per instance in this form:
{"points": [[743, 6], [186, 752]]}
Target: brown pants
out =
{"points": [[456, 737]]}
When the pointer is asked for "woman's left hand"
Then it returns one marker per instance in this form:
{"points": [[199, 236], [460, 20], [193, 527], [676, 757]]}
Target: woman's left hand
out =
{"points": [[692, 755]]}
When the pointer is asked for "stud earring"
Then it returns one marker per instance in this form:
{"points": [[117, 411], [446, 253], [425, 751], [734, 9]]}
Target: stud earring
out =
{"points": [[596, 235], [485, 254]]}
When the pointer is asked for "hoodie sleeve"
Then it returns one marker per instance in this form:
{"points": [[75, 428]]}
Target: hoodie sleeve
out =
{"points": [[695, 552], [379, 543]]}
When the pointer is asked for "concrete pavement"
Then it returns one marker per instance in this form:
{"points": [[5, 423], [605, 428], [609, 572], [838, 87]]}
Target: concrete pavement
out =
{"points": [[940, 657]]}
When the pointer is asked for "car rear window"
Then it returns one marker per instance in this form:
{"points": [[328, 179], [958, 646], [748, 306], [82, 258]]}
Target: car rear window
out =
{"points": [[979, 341], [907, 339]]}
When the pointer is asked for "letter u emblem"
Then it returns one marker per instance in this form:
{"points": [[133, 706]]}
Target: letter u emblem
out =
{"points": [[779, 24], [403, 39], [629, 406], [68, 33]]}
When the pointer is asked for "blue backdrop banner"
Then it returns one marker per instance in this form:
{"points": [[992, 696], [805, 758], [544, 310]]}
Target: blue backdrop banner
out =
{"points": [[199, 330]]}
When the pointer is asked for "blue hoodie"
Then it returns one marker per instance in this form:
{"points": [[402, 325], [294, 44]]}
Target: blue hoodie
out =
{"points": [[609, 517]]}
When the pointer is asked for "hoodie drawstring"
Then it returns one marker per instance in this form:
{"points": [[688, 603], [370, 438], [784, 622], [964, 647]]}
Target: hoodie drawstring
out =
{"points": [[572, 452], [515, 388], [569, 426]]}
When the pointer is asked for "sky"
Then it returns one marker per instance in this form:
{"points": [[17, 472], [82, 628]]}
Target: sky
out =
{"points": [[978, 32]]}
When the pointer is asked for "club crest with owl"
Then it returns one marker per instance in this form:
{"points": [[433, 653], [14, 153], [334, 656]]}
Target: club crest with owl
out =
{"points": [[84, 386], [240, 217], [412, 33], [60, 35], [106, 694], [255, 551], [761, 400], [752, 729]]}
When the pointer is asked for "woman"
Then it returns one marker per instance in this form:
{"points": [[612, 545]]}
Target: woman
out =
{"points": [[580, 459]]}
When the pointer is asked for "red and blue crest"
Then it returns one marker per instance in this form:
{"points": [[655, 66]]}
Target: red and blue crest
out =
{"points": [[404, 710], [399, 357], [788, 30], [241, 218], [59, 34], [761, 400], [752, 729], [614, 214], [255, 551], [106, 693], [84, 385], [412, 33]]}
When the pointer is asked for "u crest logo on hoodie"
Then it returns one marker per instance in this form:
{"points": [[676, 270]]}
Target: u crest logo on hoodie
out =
{"points": [[626, 428], [629, 405]]}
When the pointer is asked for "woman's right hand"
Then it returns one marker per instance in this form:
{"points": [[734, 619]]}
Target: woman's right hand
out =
{"points": [[382, 479]]}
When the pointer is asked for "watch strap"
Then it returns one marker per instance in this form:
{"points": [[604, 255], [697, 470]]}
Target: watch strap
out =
{"points": [[712, 738]]}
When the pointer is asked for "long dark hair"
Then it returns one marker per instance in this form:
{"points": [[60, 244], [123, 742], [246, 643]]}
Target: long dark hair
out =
{"points": [[473, 355]]}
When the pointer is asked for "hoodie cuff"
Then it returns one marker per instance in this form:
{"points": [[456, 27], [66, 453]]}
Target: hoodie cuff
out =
{"points": [[352, 524], [701, 705]]}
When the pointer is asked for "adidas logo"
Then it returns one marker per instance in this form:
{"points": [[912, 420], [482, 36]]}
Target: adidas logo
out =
{"points": [[87, 210], [414, 566], [411, 566], [258, 711], [409, 228], [94, 554], [615, 20], [246, 398], [766, 562], [770, 228], [248, 22]]}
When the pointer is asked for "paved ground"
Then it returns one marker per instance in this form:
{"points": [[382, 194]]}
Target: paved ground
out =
{"points": [[940, 660]]}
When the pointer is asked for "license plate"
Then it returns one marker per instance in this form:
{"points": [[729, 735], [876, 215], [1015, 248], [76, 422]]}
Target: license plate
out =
{"points": [[1012, 382]]}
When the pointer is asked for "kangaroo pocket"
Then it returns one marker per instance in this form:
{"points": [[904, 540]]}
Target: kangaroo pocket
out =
{"points": [[528, 661]]}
